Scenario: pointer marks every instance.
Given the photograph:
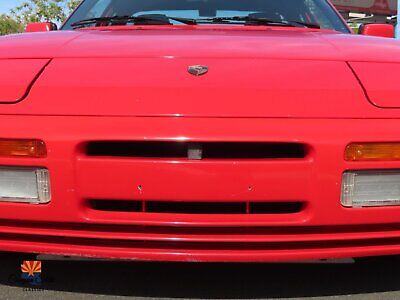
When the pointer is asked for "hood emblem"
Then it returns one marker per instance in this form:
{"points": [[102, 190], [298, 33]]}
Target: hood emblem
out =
{"points": [[197, 70]]}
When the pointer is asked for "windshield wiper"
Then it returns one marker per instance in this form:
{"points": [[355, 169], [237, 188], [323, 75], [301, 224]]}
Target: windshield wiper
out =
{"points": [[163, 19], [259, 21], [123, 20]]}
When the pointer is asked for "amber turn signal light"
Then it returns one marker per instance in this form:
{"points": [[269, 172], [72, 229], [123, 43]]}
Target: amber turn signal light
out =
{"points": [[23, 148], [373, 152]]}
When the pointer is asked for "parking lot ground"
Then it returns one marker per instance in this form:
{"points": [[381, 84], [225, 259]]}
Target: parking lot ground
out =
{"points": [[88, 279]]}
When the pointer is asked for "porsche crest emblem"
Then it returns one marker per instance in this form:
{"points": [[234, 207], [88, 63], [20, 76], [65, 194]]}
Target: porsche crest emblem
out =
{"points": [[198, 70]]}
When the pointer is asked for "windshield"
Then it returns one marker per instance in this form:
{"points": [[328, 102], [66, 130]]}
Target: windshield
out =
{"points": [[311, 12]]}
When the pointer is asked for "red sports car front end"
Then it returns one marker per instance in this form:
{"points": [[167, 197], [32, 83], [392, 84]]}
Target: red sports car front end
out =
{"points": [[200, 143]]}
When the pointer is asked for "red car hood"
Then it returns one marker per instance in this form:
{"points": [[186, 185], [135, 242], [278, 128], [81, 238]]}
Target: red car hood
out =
{"points": [[253, 72], [258, 42]]}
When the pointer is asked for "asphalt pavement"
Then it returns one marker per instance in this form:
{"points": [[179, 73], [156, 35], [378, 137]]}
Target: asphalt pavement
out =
{"points": [[87, 279]]}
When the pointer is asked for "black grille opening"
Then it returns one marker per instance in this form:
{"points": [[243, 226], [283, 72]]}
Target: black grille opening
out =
{"points": [[116, 205], [174, 207], [253, 150], [137, 149], [208, 150], [196, 207], [276, 207]]}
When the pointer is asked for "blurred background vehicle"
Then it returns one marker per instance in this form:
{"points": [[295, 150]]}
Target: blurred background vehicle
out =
{"points": [[360, 12]]}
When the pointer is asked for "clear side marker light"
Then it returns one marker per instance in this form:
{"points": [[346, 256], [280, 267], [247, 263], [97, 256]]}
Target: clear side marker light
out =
{"points": [[370, 188], [25, 185]]}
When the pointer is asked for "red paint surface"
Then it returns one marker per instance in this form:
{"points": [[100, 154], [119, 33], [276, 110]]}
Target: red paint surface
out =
{"points": [[263, 85], [383, 91], [40, 27], [17, 76], [380, 30]]}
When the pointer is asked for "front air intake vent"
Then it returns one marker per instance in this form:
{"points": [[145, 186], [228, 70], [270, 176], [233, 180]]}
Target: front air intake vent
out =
{"points": [[175, 207], [198, 151]]}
